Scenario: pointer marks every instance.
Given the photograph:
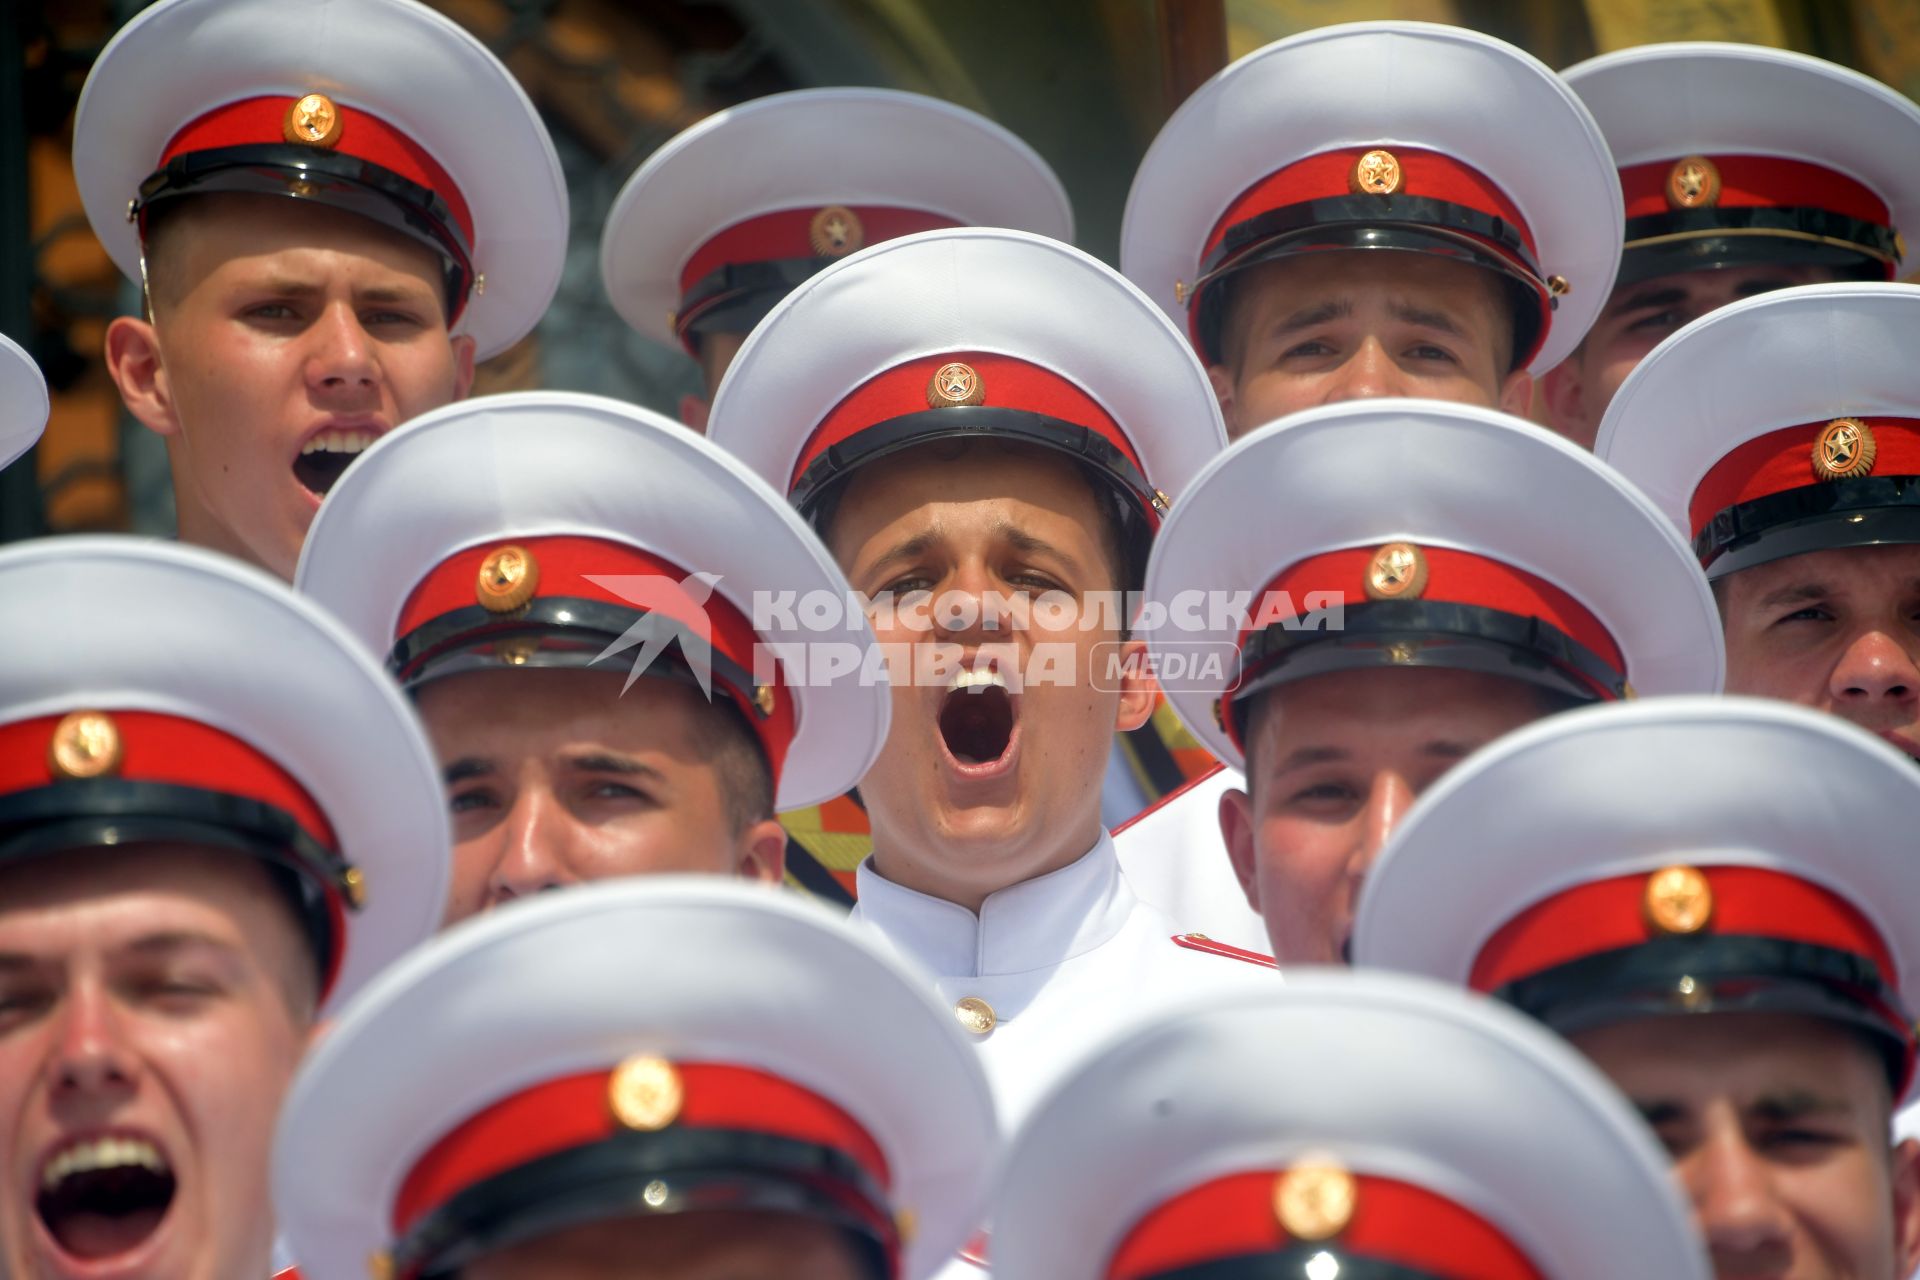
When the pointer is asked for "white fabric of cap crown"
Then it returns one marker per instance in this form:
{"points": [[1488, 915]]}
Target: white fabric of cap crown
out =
{"points": [[525, 464], [1793, 356], [691, 969], [23, 401], [399, 60], [809, 149], [969, 289], [1664, 101], [1480, 100], [1619, 790], [1391, 1076], [1437, 474], [127, 624]]}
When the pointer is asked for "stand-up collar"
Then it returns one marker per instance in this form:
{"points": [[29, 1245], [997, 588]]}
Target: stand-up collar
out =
{"points": [[1035, 924]]}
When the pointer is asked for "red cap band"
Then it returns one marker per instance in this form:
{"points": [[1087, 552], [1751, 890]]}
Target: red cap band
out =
{"points": [[1607, 915], [567, 564], [1006, 382], [169, 749], [254, 121], [574, 1111], [1783, 460], [160, 748], [1392, 1222], [1453, 577], [1758, 182], [788, 233], [1427, 174]]}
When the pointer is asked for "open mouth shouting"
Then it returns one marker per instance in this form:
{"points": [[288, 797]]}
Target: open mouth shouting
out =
{"points": [[327, 452], [102, 1198], [979, 722]]}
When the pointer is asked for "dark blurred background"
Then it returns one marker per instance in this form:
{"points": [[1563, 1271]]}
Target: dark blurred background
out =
{"points": [[1087, 82]]}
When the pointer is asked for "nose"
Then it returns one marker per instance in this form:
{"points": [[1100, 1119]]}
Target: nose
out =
{"points": [[1731, 1188], [340, 353], [1876, 668], [967, 607], [1387, 804], [92, 1056], [532, 855], [1368, 374]]}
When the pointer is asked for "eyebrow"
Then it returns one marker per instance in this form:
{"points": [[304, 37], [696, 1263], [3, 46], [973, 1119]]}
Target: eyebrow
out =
{"points": [[1789, 1104], [1792, 1104], [1029, 544], [1426, 318], [1318, 314], [906, 549], [465, 769], [176, 940], [1795, 593], [1305, 757], [296, 287], [608, 762], [1667, 297]]}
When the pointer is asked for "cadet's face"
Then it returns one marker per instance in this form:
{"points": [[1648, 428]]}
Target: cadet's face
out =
{"points": [[555, 777], [1837, 630], [1778, 1128], [1335, 762], [1322, 328], [696, 1246], [286, 324], [979, 790], [1637, 318], [153, 1005]]}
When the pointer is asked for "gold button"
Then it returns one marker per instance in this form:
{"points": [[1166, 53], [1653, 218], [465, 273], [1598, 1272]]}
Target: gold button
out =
{"points": [[380, 1265], [1678, 900], [1314, 1201], [86, 744], [763, 699], [1844, 450], [976, 1015], [835, 232], [646, 1093], [1398, 571], [508, 578], [1559, 286], [955, 385], [1377, 173], [313, 121], [353, 887]]}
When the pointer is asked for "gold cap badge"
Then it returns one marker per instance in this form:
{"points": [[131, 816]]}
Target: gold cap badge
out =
{"points": [[1693, 183], [835, 232], [976, 1015], [1844, 450], [508, 578], [1314, 1201], [86, 744], [763, 698], [313, 121], [1678, 900], [1377, 173], [646, 1093], [1398, 571], [954, 385]]}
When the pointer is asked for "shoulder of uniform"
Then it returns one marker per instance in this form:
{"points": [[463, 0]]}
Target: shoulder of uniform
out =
{"points": [[1201, 942], [1190, 784]]}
